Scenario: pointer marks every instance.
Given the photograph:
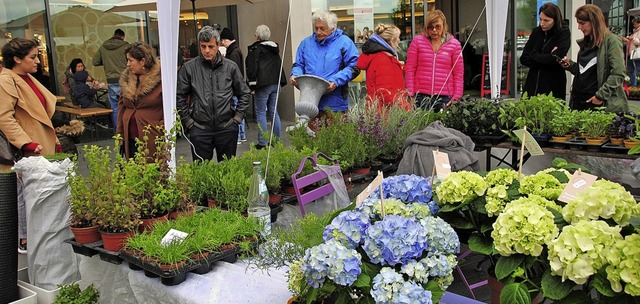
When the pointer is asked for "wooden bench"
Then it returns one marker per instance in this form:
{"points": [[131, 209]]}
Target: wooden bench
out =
{"points": [[89, 113]]}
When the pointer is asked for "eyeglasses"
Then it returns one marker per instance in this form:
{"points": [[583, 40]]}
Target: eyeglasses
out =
{"points": [[436, 27]]}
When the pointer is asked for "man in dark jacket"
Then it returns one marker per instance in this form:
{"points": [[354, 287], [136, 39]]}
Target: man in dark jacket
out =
{"points": [[111, 55], [234, 54], [209, 82], [265, 76], [85, 96]]}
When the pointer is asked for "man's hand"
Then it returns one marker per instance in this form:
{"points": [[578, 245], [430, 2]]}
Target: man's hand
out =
{"points": [[332, 86], [293, 81]]}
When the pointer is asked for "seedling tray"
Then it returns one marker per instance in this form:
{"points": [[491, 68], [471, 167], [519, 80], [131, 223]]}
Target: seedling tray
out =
{"points": [[615, 148], [109, 256], [178, 275], [84, 249]]}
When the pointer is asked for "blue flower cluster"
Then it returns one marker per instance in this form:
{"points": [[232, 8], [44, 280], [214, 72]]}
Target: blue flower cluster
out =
{"points": [[408, 188], [348, 228], [440, 235], [331, 260], [394, 240], [390, 287]]}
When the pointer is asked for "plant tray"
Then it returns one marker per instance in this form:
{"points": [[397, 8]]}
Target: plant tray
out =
{"points": [[84, 249], [178, 275], [582, 144], [290, 199], [608, 147], [109, 256], [275, 211]]}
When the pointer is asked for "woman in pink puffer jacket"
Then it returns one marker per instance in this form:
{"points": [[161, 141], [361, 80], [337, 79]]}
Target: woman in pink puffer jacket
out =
{"points": [[435, 68]]}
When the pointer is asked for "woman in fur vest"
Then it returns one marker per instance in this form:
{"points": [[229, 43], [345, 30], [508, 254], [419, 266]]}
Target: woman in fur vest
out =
{"points": [[140, 103]]}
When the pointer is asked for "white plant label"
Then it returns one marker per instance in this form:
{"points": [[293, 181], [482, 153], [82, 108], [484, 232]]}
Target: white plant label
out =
{"points": [[578, 183], [441, 161], [173, 236]]}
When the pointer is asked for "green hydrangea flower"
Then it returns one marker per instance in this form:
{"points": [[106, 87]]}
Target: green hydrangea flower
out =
{"points": [[502, 176], [603, 200], [624, 265], [581, 249], [542, 184], [523, 227], [496, 198], [536, 199], [461, 187], [296, 278]]}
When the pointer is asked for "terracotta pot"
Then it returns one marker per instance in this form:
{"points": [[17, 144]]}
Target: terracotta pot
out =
{"points": [[86, 235], [630, 143], [200, 255], [618, 141], [594, 141], [227, 247], [496, 287], [115, 241], [166, 267], [362, 171], [212, 203], [147, 224], [289, 190], [175, 214], [561, 138], [275, 198]]}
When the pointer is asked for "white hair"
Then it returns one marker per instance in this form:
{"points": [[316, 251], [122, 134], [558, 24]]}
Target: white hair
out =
{"points": [[263, 32], [330, 18]]}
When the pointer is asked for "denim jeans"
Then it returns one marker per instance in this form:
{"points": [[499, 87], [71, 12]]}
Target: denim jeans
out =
{"points": [[632, 70], [431, 102], [242, 134], [114, 95], [265, 103]]}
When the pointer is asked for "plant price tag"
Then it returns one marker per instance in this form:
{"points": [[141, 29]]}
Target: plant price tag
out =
{"points": [[578, 183], [375, 184], [173, 236], [529, 142], [441, 161]]}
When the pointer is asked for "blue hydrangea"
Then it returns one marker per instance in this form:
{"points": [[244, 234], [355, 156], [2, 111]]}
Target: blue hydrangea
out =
{"points": [[408, 188], [348, 228], [440, 235], [394, 240], [331, 260], [390, 287]]}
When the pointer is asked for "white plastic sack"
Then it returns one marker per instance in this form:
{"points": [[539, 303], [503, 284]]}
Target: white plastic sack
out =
{"points": [[51, 261]]}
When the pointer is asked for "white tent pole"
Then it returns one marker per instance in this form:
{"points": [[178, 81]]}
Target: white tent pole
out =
{"points": [[496, 29]]}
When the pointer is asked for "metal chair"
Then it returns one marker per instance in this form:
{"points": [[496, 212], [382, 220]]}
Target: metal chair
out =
{"points": [[300, 182], [470, 287]]}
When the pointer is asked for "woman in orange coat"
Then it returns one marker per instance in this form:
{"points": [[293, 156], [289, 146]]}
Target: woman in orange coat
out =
{"points": [[140, 103], [385, 73]]}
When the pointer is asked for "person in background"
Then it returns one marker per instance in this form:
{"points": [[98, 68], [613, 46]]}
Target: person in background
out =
{"points": [[385, 73], [599, 70], [25, 111], [265, 76], [233, 53], [435, 68], [140, 106], [85, 96], [111, 56], [329, 54], [69, 82], [633, 43], [551, 38], [210, 117]]}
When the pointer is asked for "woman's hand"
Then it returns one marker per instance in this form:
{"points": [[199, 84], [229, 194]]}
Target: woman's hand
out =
{"points": [[564, 62], [594, 100]]}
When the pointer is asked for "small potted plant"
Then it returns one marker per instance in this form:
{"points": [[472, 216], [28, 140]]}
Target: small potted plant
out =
{"points": [[82, 207], [621, 128], [596, 125], [560, 126], [73, 294]]}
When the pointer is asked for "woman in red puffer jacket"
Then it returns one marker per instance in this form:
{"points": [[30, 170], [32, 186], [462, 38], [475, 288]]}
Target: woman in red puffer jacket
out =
{"points": [[385, 73]]}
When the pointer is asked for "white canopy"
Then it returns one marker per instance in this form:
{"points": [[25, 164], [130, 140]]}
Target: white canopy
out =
{"points": [[496, 28]]}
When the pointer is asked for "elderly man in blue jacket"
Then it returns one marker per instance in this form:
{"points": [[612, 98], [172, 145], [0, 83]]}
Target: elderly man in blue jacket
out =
{"points": [[330, 54]]}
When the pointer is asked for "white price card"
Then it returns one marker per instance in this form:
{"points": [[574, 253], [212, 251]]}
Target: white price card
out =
{"points": [[373, 186], [578, 183], [173, 236], [529, 142], [441, 161]]}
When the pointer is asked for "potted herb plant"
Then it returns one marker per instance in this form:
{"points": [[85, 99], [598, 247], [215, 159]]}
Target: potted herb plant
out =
{"points": [[82, 206], [596, 125], [72, 294]]}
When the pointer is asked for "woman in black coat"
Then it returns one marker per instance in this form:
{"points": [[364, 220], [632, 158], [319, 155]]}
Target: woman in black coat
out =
{"points": [[550, 39]]}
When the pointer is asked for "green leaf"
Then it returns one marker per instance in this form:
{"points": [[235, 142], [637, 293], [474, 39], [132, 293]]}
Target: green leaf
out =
{"points": [[363, 280], [436, 291], [602, 284], [558, 219], [635, 221], [553, 287], [634, 150], [560, 176], [486, 227], [506, 265], [481, 244], [575, 297], [450, 207], [515, 293], [343, 297], [459, 223]]}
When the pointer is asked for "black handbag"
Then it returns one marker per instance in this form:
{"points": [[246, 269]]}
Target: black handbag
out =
{"points": [[9, 154]]}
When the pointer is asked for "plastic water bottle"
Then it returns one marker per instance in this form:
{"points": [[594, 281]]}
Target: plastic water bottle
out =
{"points": [[258, 199]]}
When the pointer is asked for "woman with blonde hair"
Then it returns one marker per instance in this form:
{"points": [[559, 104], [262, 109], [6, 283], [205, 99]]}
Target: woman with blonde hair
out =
{"points": [[385, 73], [140, 103], [599, 70], [435, 68]]}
